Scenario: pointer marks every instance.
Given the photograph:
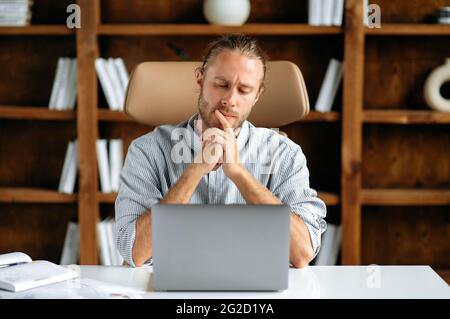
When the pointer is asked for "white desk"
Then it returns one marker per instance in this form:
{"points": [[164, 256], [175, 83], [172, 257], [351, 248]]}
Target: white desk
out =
{"points": [[418, 282]]}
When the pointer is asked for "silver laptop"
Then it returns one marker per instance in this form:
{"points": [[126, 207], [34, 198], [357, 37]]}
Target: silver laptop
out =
{"points": [[220, 247]]}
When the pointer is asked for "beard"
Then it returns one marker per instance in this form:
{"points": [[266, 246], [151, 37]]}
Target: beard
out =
{"points": [[209, 118]]}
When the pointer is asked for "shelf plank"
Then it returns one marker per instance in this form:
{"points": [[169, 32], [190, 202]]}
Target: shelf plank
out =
{"points": [[106, 198], [113, 116], [34, 195], [37, 30], [406, 117], [314, 116], [413, 29], [329, 198], [207, 29], [405, 197], [34, 113]]}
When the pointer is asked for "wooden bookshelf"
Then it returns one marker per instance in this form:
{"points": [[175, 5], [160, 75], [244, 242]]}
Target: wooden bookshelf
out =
{"points": [[395, 173], [379, 160]]}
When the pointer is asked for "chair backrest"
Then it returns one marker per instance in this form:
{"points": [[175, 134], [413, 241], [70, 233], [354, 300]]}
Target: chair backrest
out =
{"points": [[166, 93]]}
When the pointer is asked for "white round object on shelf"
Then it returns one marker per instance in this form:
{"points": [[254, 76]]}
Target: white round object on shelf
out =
{"points": [[226, 12], [432, 88]]}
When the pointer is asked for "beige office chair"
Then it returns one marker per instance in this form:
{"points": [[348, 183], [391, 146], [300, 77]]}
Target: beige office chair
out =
{"points": [[166, 93]]}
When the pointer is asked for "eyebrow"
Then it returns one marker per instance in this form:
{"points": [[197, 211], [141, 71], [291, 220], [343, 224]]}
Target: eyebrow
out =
{"points": [[221, 78]]}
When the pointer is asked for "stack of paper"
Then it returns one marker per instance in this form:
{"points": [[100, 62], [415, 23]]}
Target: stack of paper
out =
{"points": [[109, 254], [114, 78], [325, 12], [15, 12], [69, 172], [109, 168], [64, 89]]}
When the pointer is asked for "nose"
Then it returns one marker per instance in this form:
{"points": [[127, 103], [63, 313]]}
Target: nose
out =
{"points": [[229, 100]]}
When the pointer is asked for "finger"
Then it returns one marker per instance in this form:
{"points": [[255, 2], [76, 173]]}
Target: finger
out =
{"points": [[215, 139], [222, 120], [212, 133], [212, 153]]}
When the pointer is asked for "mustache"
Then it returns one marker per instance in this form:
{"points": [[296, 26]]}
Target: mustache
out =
{"points": [[231, 113]]}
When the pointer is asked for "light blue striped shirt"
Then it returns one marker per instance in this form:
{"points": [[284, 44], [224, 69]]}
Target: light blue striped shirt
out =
{"points": [[155, 162]]}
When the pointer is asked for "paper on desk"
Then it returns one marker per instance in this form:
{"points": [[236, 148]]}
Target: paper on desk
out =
{"points": [[79, 288]]}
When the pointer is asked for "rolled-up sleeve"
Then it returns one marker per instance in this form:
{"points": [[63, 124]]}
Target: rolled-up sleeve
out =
{"points": [[139, 190], [290, 184]]}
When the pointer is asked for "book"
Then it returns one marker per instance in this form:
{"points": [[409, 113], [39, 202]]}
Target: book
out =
{"points": [[72, 85], [71, 245], [115, 80], [338, 12], [109, 254], [103, 166], [18, 272], [106, 84], [69, 172], [123, 73], [105, 253], [327, 12], [315, 12], [116, 162], [63, 95], [330, 84], [56, 83]]}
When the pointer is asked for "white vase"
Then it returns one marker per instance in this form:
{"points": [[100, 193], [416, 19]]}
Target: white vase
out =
{"points": [[432, 87], [226, 12]]}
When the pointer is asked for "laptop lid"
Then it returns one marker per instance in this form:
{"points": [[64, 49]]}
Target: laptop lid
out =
{"points": [[220, 247]]}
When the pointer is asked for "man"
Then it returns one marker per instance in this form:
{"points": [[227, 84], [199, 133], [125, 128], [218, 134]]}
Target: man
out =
{"points": [[230, 80]]}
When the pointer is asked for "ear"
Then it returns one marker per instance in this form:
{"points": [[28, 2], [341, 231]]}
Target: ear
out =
{"points": [[199, 77]]}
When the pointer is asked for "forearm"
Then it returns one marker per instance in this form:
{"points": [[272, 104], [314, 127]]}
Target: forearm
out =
{"points": [[301, 252], [252, 190], [180, 193]]}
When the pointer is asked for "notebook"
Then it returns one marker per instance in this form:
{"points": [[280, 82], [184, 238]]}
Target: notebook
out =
{"points": [[18, 272]]}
